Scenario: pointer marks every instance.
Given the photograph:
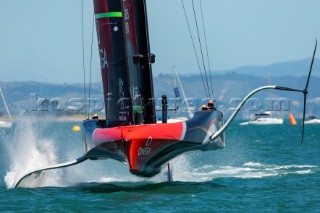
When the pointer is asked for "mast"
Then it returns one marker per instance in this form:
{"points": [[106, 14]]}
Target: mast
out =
{"points": [[5, 103], [139, 57], [190, 114], [111, 41]]}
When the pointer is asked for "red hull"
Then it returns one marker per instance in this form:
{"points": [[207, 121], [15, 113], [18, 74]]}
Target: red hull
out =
{"points": [[147, 147]]}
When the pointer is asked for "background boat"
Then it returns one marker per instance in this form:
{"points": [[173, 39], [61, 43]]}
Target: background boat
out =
{"points": [[5, 123], [264, 119], [312, 120]]}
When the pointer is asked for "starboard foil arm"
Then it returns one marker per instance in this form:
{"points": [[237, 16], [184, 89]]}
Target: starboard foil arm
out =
{"points": [[244, 100], [237, 110], [57, 166], [303, 91]]}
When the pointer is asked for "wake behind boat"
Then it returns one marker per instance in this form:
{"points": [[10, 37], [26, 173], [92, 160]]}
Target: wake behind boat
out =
{"points": [[264, 119]]}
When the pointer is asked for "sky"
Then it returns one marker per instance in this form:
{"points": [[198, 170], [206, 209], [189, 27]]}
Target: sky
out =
{"points": [[41, 40]]}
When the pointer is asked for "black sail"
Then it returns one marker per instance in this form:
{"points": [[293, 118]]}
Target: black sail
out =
{"points": [[111, 41], [122, 29], [138, 49]]}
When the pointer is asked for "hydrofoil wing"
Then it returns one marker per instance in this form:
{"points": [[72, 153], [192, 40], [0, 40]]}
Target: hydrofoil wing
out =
{"points": [[38, 171]]}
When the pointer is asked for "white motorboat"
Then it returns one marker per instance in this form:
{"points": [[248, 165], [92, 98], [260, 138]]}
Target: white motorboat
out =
{"points": [[264, 119], [312, 120]]}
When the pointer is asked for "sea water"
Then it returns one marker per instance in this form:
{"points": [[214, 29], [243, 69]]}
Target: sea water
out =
{"points": [[262, 169]]}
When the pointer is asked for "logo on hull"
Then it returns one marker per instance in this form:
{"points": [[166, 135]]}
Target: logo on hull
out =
{"points": [[146, 149]]}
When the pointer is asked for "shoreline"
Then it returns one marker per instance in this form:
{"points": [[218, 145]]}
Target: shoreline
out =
{"points": [[75, 118]]}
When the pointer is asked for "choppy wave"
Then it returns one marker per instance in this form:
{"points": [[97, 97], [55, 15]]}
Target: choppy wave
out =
{"points": [[26, 152], [29, 151], [249, 170]]}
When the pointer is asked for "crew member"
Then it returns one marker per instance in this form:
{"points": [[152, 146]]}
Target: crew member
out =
{"points": [[211, 105], [204, 107]]}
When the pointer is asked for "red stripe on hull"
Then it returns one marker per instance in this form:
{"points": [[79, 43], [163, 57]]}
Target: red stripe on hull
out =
{"points": [[171, 131], [140, 143]]}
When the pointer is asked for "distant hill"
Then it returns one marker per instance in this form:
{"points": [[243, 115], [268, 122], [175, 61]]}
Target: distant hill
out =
{"points": [[233, 86], [289, 68], [23, 97]]}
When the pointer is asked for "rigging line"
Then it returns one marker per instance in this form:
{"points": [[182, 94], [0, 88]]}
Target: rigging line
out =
{"points": [[194, 48], [83, 65], [200, 46], [206, 45], [90, 82]]}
